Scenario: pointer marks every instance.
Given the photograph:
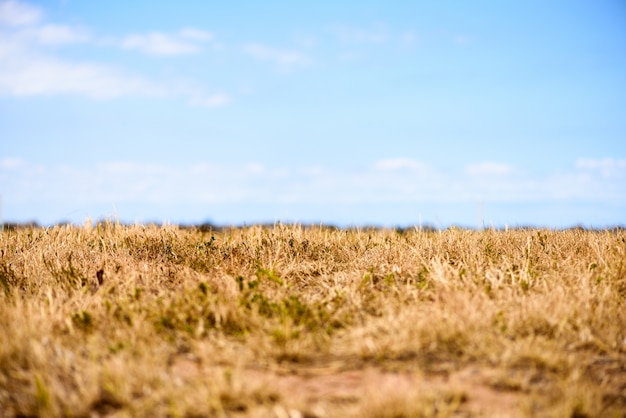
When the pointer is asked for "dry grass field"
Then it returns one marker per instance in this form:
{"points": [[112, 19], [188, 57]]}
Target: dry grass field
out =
{"points": [[288, 321]]}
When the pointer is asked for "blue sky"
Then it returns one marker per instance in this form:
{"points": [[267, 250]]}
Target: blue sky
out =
{"points": [[342, 112]]}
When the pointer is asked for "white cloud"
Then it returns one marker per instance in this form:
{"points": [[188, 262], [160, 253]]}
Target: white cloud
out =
{"points": [[30, 67], [607, 166], [378, 34], [11, 163], [399, 164], [195, 34], [13, 13], [305, 41], [249, 184], [157, 43], [285, 59], [54, 34], [40, 75], [489, 168], [129, 167], [186, 41], [255, 168], [214, 100]]}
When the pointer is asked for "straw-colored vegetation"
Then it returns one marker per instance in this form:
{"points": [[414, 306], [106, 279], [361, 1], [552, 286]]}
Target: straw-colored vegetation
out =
{"points": [[112, 320]]}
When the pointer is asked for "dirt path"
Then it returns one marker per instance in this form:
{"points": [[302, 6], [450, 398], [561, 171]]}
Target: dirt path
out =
{"points": [[328, 391]]}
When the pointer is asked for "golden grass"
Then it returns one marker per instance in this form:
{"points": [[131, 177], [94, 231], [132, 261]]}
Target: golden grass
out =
{"points": [[113, 320]]}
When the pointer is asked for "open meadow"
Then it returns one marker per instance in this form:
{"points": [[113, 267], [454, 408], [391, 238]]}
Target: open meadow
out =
{"points": [[292, 321]]}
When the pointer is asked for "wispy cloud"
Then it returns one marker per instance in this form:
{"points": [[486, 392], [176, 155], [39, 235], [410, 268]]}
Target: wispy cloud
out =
{"points": [[186, 41], [214, 100], [195, 34], [51, 34], [360, 43], [13, 13], [284, 59], [399, 164], [608, 167], [32, 63], [387, 181], [10, 163], [238, 192], [377, 34], [489, 168], [42, 75], [23, 23]]}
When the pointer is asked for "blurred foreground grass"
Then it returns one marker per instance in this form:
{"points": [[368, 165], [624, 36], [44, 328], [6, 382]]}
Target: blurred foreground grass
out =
{"points": [[287, 321]]}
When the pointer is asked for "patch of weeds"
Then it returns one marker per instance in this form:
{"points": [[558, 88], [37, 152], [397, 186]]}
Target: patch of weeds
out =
{"points": [[240, 283], [390, 279], [491, 252], [268, 274], [83, 320], [542, 238], [119, 312], [488, 288], [196, 311], [203, 257], [161, 248], [367, 279], [288, 310], [68, 275], [281, 337], [499, 321], [174, 319], [265, 306], [462, 272], [422, 278], [116, 348], [203, 288], [207, 245], [7, 278], [298, 312], [524, 284], [42, 394], [381, 282]]}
